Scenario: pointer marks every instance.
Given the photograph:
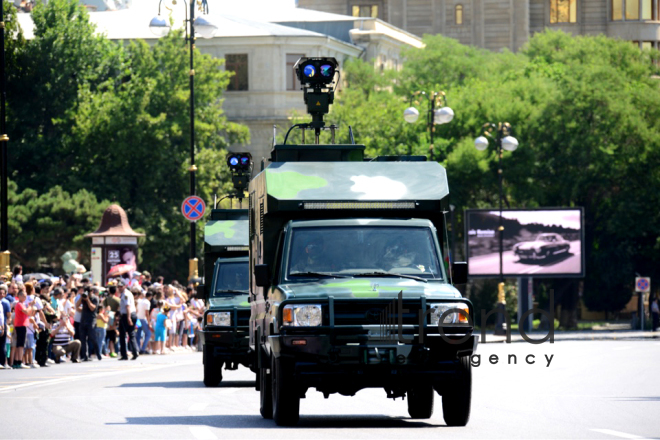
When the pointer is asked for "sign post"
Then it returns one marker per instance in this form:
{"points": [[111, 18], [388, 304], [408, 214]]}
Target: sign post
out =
{"points": [[642, 285]]}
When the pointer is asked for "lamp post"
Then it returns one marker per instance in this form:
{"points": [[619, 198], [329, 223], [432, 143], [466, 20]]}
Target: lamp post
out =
{"points": [[501, 134], [4, 139], [160, 27], [438, 114]]}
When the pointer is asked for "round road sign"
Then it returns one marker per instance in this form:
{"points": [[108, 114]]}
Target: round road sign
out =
{"points": [[193, 208], [643, 284]]}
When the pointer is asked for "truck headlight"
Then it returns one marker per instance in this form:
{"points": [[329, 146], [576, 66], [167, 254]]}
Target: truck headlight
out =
{"points": [[302, 315], [451, 318], [222, 319]]}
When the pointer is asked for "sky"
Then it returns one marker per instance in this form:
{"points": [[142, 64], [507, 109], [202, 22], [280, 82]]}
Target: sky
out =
{"points": [[565, 218]]}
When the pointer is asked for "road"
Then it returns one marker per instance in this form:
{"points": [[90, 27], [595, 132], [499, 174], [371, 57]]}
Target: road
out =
{"points": [[562, 263], [591, 389]]}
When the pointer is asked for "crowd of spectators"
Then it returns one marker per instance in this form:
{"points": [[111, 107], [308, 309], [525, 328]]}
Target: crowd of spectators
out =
{"points": [[70, 319]]}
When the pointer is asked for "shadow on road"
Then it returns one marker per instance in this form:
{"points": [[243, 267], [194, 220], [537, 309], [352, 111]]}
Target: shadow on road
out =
{"points": [[638, 399], [188, 384], [257, 422]]}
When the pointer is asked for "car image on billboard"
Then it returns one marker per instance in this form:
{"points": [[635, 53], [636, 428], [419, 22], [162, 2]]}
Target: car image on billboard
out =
{"points": [[536, 242]]}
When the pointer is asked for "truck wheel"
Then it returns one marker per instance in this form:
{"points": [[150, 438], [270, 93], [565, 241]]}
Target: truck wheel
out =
{"points": [[420, 401], [265, 394], [457, 397], [286, 399], [212, 371]]}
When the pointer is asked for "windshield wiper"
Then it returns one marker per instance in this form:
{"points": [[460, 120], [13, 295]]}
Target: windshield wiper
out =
{"points": [[242, 292], [387, 274], [317, 274]]}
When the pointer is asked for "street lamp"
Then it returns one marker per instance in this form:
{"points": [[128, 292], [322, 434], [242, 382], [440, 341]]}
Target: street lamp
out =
{"points": [[160, 27], [436, 115], [4, 139], [501, 134]]}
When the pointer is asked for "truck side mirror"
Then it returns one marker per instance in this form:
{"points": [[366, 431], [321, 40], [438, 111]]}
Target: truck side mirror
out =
{"points": [[459, 272], [261, 275], [201, 292]]}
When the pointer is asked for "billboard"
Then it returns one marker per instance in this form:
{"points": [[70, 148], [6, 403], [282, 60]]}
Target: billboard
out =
{"points": [[539, 243]]}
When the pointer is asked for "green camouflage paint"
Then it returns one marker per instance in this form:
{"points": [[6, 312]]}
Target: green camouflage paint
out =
{"points": [[287, 184]]}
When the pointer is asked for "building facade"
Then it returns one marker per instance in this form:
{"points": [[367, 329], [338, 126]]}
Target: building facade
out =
{"points": [[508, 24]]}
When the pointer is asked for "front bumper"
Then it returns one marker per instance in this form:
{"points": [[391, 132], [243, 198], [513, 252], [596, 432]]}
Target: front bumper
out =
{"points": [[227, 346]]}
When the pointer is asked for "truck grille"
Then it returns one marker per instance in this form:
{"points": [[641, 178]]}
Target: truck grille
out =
{"points": [[371, 312], [243, 317]]}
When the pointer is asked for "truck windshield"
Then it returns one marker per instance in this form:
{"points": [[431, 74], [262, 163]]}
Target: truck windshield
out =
{"points": [[231, 279], [361, 250]]}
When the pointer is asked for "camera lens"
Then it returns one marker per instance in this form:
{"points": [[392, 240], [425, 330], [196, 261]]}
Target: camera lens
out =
{"points": [[309, 71]]}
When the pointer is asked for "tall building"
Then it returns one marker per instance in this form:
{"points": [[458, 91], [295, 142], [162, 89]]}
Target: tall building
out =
{"points": [[500, 24]]}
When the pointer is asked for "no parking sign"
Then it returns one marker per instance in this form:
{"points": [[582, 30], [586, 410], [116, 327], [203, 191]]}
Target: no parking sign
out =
{"points": [[193, 208], [642, 284]]}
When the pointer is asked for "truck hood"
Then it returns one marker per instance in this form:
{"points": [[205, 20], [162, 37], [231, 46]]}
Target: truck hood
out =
{"points": [[368, 288], [239, 301]]}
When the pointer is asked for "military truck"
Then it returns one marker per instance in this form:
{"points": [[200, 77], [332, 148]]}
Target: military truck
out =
{"points": [[225, 323], [348, 289]]}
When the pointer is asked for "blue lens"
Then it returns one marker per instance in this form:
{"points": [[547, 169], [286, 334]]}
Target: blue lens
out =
{"points": [[245, 160], [327, 70], [233, 161], [309, 71]]}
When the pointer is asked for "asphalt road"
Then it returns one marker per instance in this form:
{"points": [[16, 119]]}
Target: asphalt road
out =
{"points": [[561, 263], [591, 389]]}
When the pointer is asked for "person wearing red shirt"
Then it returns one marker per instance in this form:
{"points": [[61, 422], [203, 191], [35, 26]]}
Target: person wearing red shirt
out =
{"points": [[22, 315]]}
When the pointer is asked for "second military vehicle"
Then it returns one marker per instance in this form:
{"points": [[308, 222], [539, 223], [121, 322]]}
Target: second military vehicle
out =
{"points": [[348, 289]]}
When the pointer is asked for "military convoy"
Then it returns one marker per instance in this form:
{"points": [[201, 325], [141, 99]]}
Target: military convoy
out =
{"points": [[347, 286]]}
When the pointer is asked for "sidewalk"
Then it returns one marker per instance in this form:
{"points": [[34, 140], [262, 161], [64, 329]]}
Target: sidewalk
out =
{"points": [[584, 335]]}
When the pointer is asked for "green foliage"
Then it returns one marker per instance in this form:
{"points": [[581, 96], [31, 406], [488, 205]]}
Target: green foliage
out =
{"points": [[112, 119]]}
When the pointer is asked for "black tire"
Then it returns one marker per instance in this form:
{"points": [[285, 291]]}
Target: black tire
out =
{"points": [[457, 397], [265, 394], [286, 398], [212, 370], [420, 401]]}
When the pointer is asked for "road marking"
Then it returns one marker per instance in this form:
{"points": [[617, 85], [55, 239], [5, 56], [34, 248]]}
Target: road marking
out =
{"points": [[91, 376], [198, 407], [622, 348], [616, 433], [202, 433]]}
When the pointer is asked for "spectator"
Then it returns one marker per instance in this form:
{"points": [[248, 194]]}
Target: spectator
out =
{"points": [[77, 312], [163, 323], [127, 322], [112, 303], [22, 313], [50, 316], [5, 311], [655, 312], [17, 274], [101, 328], [143, 333], [62, 342], [88, 302]]}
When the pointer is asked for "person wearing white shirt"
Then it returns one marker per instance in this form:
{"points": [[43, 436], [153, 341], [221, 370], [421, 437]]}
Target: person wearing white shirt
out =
{"points": [[128, 318], [143, 333]]}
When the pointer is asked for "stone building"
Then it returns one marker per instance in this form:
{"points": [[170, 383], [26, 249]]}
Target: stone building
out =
{"points": [[500, 24]]}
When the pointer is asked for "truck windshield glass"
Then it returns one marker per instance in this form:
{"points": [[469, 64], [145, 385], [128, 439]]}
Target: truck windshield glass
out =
{"points": [[357, 250], [231, 278]]}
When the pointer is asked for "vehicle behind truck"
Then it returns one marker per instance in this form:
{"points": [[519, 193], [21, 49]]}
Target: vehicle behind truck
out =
{"points": [[225, 323], [348, 289]]}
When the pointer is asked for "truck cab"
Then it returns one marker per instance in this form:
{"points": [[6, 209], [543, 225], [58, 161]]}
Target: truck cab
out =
{"points": [[348, 289], [225, 323]]}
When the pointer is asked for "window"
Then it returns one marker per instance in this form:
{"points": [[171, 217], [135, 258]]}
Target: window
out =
{"points": [[647, 44], [633, 10], [292, 81], [458, 13], [237, 63], [369, 11], [563, 11]]}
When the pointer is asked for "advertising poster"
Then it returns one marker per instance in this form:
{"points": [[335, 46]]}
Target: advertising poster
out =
{"points": [[544, 242]]}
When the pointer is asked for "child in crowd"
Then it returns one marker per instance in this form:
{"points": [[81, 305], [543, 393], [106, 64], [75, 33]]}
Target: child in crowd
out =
{"points": [[163, 324]]}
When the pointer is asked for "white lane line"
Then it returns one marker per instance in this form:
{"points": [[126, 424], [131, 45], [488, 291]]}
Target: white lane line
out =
{"points": [[202, 433], [616, 433], [198, 407], [90, 376]]}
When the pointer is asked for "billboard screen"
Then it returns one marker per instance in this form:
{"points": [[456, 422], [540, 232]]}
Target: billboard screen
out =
{"points": [[544, 242]]}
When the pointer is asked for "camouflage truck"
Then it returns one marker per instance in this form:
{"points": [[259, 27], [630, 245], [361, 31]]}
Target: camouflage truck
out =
{"points": [[225, 331], [348, 289]]}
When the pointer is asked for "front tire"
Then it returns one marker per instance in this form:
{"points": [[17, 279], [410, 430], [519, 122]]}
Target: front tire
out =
{"points": [[420, 401], [456, 399], [212, 370], [265, 394], [286, 398]]}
